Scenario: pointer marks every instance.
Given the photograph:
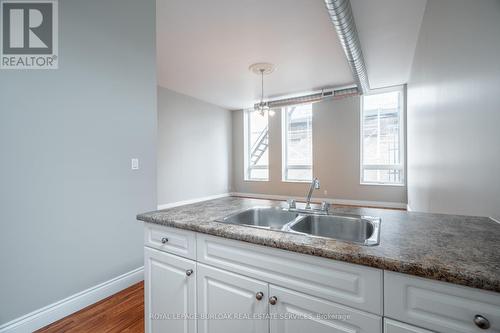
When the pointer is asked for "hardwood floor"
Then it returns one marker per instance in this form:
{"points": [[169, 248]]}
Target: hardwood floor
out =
{"points": [[122, 312]]}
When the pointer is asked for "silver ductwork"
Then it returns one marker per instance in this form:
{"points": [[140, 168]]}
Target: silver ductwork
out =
{"points": [[341, 15], [312, 97]]}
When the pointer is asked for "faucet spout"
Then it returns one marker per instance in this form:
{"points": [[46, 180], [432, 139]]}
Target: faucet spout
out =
{"points": [[314, 185]]}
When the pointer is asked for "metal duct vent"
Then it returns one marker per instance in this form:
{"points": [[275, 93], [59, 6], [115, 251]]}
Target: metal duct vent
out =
{"points": [[341, 15], [315, 96]]}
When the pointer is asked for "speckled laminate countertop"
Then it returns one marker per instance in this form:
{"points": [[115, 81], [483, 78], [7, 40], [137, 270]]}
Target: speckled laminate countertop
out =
{"points": [[458, 249]]}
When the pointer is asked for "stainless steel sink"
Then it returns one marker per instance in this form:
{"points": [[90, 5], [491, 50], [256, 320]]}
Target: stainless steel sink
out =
{"points": [[364, 230], [262, 217], [352, 228]]}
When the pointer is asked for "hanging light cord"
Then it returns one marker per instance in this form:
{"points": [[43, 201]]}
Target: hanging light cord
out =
{"points": [[262, 90]]}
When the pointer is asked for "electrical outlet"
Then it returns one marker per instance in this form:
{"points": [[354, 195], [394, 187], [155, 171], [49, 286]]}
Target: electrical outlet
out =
{"points": [[325, 192], [135, 164]]}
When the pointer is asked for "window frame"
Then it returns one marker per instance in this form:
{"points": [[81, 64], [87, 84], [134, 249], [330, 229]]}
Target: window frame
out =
{"points": [[402, 139], [284, 148], [247, 150]]}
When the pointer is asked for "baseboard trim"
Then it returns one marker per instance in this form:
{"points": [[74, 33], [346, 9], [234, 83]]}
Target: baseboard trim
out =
{"points": [[58, 310], [190, 201], [363, 203]]}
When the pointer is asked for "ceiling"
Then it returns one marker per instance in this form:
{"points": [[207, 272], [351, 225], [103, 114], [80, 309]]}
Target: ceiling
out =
{"points": [[388, 32], [204, 48]]}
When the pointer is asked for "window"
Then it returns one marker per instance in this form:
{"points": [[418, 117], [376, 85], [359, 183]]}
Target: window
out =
{"points": [[382, 137], [297, 143], [256, 145]]}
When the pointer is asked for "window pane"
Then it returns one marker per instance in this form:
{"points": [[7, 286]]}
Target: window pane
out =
{"points": [[298, 141], [299, 174], [382, 176], [381, 137], [259, 174], [257, 148]]}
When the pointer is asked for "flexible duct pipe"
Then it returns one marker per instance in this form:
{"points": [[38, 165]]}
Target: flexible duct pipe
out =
{"points": [[341, 15]]}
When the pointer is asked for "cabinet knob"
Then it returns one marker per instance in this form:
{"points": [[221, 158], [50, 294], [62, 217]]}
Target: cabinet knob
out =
{"points": [[189, 272], [259, 295], [481, 322], [164, 240], [273, 300]]}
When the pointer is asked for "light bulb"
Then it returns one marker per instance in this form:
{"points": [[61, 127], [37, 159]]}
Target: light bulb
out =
{"points": [[272, 113]]}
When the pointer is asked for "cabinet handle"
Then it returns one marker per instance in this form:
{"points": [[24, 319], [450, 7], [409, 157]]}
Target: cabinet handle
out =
{"points": [[164, 240], [273, 300], [189, 272], [481, 322], [259, 295]]}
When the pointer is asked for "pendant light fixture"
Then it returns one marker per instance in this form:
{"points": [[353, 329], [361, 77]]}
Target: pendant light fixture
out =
{"points": [[262, 69]]}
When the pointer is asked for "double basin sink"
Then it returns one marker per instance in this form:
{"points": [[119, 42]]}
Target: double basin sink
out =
{"points": [[362, 230]]}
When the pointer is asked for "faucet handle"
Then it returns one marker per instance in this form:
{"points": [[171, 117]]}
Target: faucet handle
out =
{"points": [[291, 204], [325, 206]]}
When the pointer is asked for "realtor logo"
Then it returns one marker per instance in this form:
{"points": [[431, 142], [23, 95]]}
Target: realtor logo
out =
{"points": [[29, 36]]}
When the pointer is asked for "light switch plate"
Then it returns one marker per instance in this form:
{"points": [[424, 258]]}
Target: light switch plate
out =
{"points": [[135, 164]]}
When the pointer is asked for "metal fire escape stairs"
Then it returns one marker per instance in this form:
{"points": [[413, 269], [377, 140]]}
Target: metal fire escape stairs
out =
{"points": [[259, 147]]}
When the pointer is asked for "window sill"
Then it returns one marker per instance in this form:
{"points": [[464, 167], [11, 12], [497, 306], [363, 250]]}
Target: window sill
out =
{"points": [[257, 180], [383, 184]]}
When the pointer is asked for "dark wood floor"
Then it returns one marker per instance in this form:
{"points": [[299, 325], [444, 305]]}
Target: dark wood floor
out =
{"points": [[122, 312]]}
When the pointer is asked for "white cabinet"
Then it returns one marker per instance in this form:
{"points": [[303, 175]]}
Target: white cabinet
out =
{"points": [[197, 283], [356, 286], [170, 292], [172, 240], [295, 312], [231, 302], [439, 306]]}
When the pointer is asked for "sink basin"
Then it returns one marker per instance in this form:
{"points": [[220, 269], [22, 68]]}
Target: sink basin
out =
{"points": [[363, 230], [352, 228], [262, 217]]}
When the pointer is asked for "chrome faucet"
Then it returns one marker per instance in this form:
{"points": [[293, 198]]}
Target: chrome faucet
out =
{"points": [[314, 186]]}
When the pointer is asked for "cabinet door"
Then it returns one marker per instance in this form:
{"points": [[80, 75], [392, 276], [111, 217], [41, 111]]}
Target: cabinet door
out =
{"points": [[230, 303], [170, 293], [295, 312]]}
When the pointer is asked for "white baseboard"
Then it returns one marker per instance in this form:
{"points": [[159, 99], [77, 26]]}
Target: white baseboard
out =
{"points": [[55, 311], [364, 203], [190, 201]]}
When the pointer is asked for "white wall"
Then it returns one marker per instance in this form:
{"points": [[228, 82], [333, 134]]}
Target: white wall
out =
{"points": [[335, 157], [194, 148], [454, 110], [68, 198]]}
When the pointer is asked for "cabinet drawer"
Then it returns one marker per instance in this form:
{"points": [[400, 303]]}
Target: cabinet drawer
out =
{"points": [[294, 312], [172, 240], [353, 285], [392, 326], [439, 306]]}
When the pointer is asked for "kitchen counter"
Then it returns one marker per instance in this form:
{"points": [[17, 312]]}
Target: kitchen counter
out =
{"points": [[458, 249]]}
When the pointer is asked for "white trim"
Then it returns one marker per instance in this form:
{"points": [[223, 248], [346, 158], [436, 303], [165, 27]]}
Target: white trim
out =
{"points": [[190, 201], [408, 208], [362, 203], [60, 309]]}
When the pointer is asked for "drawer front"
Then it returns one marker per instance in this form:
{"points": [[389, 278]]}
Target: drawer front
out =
{"points": [[439, 306], [392, 326], [353, 285], [172, 240], [305, 313]]}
